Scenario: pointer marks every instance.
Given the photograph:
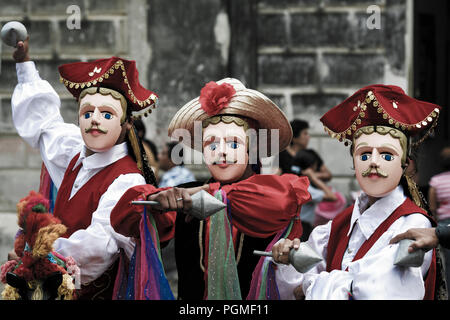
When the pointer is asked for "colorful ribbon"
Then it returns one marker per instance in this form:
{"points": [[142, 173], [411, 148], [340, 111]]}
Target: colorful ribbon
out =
{"points": [[222, 277], [146, 278]]}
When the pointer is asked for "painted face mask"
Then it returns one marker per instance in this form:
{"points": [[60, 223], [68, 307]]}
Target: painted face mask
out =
{"points": [[100, 121], [378, 163], [225, 151]]}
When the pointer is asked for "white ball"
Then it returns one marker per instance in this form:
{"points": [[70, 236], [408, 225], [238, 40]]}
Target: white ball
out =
{"points": [[13, 32]]}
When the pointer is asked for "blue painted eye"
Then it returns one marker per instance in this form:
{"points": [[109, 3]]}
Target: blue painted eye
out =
{"points": [[234, 144], [365, 156], [107, 115], [87, 115], [387, 156], [213, 146]]}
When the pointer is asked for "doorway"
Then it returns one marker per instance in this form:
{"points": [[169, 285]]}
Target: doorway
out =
{"points": [[432, 77]]}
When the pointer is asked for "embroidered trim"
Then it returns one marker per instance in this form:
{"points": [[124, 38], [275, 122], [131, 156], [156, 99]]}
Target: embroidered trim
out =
{"points": [[241, 244], [151, 102], [200, 244]]}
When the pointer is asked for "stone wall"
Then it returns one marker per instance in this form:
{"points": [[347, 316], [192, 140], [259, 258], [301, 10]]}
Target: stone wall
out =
{"points": [[186, 52], [307, 55], [314, 54]]}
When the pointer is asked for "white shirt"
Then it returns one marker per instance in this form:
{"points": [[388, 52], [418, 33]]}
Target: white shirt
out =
{"points": [[37, 118], [374, 276]]}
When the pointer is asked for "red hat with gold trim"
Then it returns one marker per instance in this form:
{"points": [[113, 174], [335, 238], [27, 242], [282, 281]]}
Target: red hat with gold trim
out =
{"points": [[114, 73], [383, 105]]}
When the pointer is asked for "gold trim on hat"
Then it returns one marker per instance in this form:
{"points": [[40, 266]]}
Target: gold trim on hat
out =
{"points": [[371, 99], [341, 136], [150, 102]]}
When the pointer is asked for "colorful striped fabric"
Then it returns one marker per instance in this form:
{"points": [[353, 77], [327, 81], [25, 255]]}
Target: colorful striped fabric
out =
{"points": [[47, 188], [263, 285], [145, 279]]}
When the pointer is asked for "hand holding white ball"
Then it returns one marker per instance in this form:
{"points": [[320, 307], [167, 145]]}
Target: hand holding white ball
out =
{"points": [[13, 32]]}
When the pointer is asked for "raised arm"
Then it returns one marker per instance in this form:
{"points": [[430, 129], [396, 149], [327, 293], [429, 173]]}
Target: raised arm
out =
{"points": [[37, 119]]}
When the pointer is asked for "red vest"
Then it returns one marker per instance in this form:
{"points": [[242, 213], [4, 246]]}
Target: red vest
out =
{"points": [[338, 242], [76, 213]]}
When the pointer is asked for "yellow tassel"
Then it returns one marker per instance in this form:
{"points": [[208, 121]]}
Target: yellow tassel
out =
{"points": [[10, 293], [67, 288], [45, 239], [135, 146], [412, 186]]}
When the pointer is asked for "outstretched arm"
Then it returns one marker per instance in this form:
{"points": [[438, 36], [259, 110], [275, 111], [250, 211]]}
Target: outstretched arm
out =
{"points": [[425, 238], [125, 217], [262, 205], [315, 180], [324, 173]]}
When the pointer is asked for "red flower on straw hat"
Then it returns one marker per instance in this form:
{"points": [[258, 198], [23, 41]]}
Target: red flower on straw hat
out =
{"points": [[215, 97]]}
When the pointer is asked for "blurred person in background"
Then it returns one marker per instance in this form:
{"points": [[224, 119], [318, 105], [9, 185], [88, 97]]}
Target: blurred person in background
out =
{"points": [[175, 174], [439, 199], [300, 141], [305, 163]]}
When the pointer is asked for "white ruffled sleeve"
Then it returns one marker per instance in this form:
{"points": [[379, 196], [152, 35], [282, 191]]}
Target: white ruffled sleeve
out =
{"points": [[37, 119]]}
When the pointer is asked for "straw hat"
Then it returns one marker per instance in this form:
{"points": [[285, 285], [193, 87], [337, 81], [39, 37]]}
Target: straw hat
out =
{"points": [[230, 97]]}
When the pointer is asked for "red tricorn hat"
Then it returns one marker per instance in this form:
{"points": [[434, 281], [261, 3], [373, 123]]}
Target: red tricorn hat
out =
{"points": [[383, 105], [114, 73]]}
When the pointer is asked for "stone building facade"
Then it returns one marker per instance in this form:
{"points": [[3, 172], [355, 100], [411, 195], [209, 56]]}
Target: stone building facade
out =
{"points": [[307, 55]]}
